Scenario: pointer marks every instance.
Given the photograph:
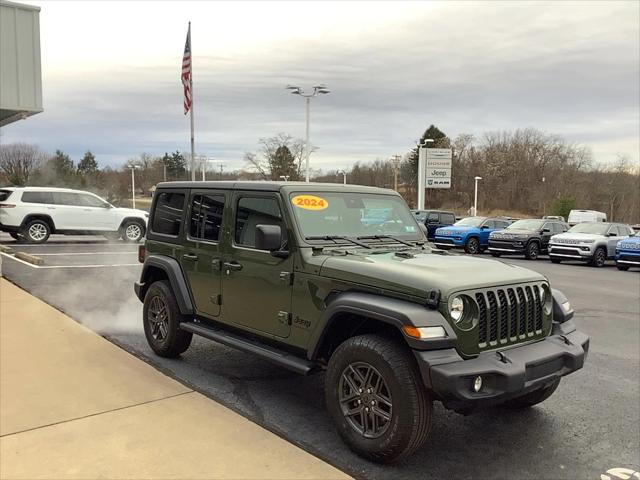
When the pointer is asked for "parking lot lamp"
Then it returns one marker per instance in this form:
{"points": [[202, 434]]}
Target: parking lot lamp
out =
{"points": [[285, 177], [344, 176], [317, 89], [422, 172], [475, 197], [133, 185]]}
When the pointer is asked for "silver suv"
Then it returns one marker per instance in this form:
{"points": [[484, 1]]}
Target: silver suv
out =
{"points": [[591, 242]]}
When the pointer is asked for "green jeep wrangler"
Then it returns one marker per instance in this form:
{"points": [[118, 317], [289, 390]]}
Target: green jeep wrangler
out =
{"points": [[340, 278]]}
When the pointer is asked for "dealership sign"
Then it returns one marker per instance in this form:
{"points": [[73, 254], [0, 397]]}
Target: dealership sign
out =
{"points": [[438, 167]]}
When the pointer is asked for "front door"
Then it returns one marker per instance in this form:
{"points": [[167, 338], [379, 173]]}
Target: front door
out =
{"points": [[256, 286], [201, 257]]}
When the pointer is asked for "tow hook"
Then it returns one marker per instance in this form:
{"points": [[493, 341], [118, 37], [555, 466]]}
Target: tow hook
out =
{"points": [[502, 357], [565, 340]]}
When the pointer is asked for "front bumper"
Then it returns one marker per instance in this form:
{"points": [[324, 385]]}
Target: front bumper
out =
{"points": [[506, 373], [450, 242], [505, 246], [574, 252], [625, 258]]}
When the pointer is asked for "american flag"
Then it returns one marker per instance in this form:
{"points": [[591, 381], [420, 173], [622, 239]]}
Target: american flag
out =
{"points": [[186, 72]]}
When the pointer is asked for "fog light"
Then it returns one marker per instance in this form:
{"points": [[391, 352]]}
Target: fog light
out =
{"points": [[477, 384]]}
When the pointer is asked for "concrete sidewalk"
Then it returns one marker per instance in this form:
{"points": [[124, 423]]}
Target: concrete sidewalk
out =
{"points": [[73, 405]]}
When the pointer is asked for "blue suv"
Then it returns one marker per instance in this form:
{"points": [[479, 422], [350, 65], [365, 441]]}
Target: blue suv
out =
{"points": [[628, 253], [471, 233]]}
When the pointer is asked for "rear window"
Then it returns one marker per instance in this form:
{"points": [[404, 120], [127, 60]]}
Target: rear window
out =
{"points": [[37, 197], [167, 216], [4, 194], [447, 218]]}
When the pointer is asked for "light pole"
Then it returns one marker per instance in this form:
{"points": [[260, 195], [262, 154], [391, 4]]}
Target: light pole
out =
{"points": [[317, 89], [285, 177], [475, 197], [344, 176], [396, 166], [133, 185], [203, 160], [422, 171]]}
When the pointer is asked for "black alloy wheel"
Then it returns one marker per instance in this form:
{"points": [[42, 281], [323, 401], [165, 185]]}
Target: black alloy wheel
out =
{"points": [[533, 250], [472, 246]]}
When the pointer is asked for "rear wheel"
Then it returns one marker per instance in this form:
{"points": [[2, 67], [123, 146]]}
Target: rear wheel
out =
{"points": [[599, 258], [161, 318], [376, 398], [472, 246], [533, 250], [36, 231], [533, 398], [624, 268]]}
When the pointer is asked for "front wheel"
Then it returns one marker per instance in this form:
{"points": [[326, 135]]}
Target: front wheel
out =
{"points": [[472, 246], [624, 268], [132, 231], [532, 398], [161, 319], [376, 397], [533, 250], [599, 258]]}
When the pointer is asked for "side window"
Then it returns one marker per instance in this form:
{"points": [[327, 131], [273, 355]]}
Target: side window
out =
{"points": [[37, 197], [206, 217], [501, 224], [91, 201], [447, 218], [66, 198], [613, 230], [489, 223], [622, 231], [548, 226], [167, 215], [253, 211], [433, 217]]}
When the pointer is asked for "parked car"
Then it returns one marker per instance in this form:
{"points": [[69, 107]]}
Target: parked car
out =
{"points": [[628, 253], [554, 217], [290, 272], [31, 214], [591, 242], [525, 237], [434, 219], [471, 233], [581, 216]]}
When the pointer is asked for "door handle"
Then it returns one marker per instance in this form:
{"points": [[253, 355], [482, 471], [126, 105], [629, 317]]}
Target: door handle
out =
{"points": [[190, 256], [232, 266], [51, 208]]}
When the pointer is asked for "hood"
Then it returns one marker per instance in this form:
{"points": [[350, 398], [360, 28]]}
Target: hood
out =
{"points": [[576, 237], [632, 243], [453, 230], [515, 232], [423, 272], [134, 212]]}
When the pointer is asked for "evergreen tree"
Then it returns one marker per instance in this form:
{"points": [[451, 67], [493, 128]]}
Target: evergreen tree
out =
{"points": [[88, 165]]}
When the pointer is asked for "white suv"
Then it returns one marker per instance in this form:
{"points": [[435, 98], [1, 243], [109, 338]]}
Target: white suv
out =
{"points": [[31, 214]]}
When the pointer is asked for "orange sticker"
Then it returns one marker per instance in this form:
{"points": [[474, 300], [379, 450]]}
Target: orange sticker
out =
{"points": [[309, 202]]}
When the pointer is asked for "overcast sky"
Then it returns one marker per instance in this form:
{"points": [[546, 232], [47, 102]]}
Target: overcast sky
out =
{"points": [[111, 75]]}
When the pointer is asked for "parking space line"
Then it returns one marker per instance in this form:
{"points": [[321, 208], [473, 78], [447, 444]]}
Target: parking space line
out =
{"points": [[68, 266]]}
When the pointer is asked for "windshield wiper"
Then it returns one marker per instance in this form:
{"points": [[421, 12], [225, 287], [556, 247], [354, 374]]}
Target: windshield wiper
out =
{"points": [[380, 237], [335, 238]]}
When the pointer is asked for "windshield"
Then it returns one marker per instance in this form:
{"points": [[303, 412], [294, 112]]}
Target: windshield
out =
{"points": [[526, 225], [595, 228], [470, 222], [353, 215]]}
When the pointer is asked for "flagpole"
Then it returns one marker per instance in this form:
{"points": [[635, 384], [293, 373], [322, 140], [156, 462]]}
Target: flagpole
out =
{"points": [[193, 157]]}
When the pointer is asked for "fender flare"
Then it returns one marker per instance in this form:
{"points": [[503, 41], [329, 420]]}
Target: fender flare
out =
{"points": [[391, 311], [132, 219], [176, 278], [35, 216]]}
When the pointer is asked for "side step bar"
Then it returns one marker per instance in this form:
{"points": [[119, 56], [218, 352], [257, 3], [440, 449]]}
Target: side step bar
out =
{"points": [[271, 354]]}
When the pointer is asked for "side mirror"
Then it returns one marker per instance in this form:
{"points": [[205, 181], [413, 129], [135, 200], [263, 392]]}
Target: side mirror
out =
{"points": [[268, 237], [484, 227], [612, 234], [546, 230]]}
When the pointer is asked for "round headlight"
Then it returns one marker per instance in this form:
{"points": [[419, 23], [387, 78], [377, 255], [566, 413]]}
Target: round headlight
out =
{"points": [[457, 308]]}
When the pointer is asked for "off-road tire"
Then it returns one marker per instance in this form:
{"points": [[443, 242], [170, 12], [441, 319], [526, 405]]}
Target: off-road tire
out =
{"points": [[472, 246], [555, 260], [174, 341], [532, 398], [129, 227], [599, 258], [624, 268], [533, 251], [36, 231], [495, 254], [411, 411]]}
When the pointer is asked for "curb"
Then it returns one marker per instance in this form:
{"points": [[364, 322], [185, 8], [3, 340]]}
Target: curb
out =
{"points": [[5, 249], [29, 258]]}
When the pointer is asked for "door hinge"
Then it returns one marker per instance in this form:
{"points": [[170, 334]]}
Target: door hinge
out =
{"points": [[216, 299], [284, 318], [286, 277]]}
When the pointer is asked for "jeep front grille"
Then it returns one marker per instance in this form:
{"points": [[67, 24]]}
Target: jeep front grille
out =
{"points": [[508, 315]]}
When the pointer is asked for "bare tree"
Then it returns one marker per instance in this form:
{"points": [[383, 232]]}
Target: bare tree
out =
{"points": [[279, 155], [18, 161]]}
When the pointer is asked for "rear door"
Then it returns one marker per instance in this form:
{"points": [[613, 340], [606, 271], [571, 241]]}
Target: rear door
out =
{"points": [[548, 229], [433, 223], [256, 286], [202, 256]]}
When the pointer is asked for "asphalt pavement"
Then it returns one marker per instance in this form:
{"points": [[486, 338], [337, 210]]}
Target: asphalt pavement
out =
{"points": [[589, 426]]}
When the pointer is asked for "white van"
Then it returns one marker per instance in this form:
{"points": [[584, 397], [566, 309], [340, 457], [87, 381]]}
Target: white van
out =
{"points": [[580, 216]]}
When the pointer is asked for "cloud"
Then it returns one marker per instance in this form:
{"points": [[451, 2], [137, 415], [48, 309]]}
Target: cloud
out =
{"points": [[393, 68]]}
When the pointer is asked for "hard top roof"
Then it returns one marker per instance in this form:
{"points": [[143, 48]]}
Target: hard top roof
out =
{"points": [[276, 186]]}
